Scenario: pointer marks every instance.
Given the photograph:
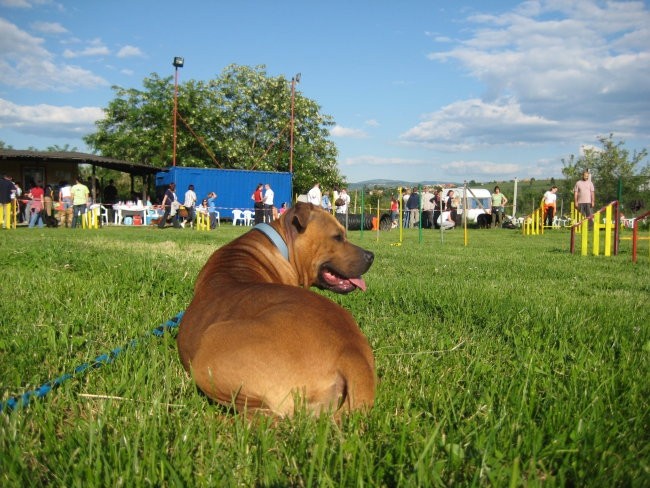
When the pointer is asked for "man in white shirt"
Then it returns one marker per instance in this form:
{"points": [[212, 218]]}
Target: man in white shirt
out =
{"points": [[314, 195], [268, 203], [427, 208], [190, 204], [343, 209]]}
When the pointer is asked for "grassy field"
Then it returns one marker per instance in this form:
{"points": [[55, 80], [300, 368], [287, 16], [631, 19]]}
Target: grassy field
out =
{"points": [[506, 362]]}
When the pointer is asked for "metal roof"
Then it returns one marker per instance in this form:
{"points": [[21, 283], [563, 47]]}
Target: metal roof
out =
{"points": [[80, 158]]}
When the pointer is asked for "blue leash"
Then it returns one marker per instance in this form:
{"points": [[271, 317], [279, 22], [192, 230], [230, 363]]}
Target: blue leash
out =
{"points": [[24, 399]]}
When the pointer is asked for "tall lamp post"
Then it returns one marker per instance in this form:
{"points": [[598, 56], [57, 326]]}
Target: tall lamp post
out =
{"points": [[294, 80], [177, 63]]}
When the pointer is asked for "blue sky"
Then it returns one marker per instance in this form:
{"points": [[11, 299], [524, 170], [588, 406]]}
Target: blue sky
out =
{"points": [[419, 90]]}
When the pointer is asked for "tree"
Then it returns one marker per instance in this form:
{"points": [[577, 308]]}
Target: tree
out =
{"points": [[240, 120], [57, 148], [607, 166]]}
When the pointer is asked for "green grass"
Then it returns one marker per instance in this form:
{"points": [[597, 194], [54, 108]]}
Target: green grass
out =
{"points": [[506, 362]]}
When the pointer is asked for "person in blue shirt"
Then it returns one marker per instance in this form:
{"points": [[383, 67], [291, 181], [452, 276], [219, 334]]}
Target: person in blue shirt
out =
{"points": [[325, 202], [212, 209]]}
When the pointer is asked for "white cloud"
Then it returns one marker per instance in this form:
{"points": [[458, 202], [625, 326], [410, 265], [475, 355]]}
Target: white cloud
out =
{"points": [[340, 131], [49, 27], [25, 63], [48, 119], [470, 124], [482, 168], [15, 3], [552, 71], [28, 3], [129, 51], [372, 123], [95, 48]]}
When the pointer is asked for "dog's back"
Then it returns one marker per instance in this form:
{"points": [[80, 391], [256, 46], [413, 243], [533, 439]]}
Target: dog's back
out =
{"points": [[254, 335], [484, 220]]}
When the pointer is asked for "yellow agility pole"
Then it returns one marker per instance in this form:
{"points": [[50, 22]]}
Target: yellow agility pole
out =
{"points": [[14, 213], [608, 230], [202, 221], [90, 219]]}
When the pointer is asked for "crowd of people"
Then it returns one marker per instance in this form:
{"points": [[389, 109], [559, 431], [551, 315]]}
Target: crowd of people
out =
{"points": [[429, 203], [185, 213], [339, 201], [36, 207]]}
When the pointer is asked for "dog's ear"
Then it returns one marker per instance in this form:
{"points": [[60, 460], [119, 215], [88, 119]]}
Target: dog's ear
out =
{"points": [[301, 213]]}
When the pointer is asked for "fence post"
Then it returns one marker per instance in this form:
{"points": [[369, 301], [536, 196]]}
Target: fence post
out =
{"points": [[596, 231], [585, 236], [608, 230]]}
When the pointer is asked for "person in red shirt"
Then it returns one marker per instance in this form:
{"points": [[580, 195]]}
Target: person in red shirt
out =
{"points": [[258, 198], [36, 194]]}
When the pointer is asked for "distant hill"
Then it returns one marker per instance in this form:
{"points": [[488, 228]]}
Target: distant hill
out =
{"points": [[395, 183]]}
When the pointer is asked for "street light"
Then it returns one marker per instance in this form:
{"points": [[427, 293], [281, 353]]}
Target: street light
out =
{"points": [[294, 80], [177, 63]]}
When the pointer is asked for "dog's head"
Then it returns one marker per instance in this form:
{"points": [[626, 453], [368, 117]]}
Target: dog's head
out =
{"points": [[321, 252]]}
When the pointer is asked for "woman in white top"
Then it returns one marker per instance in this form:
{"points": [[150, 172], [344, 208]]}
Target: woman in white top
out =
{"points": [[549, 202]]}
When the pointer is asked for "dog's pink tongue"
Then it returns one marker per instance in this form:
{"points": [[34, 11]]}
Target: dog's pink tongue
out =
{"points": [[359, 283]]}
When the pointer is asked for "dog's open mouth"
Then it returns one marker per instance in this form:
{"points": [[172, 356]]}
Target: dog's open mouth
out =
{"points": [[332, 281]]}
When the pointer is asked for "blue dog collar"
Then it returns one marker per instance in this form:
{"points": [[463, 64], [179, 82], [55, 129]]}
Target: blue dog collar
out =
{"points": [[274, 237]]}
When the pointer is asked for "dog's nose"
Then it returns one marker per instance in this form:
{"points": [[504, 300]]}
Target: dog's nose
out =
{"points": [[369, 257]]}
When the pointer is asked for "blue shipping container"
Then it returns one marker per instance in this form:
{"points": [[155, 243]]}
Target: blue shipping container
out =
{"points": [[233, 187]]}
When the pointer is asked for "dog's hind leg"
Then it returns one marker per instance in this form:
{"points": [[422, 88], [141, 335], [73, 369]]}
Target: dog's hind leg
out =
{"points": [[358, 373]]}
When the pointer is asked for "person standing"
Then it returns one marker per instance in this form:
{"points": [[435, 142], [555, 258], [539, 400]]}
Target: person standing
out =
{"points": [[65, 197], [169, 200], [110, 199], [268, 203], [428, 205], [344, 200], [189, 202], [314, 195], [584, 196], [452, 206], [80, 201], [36, 193], [407, 213], [258, 203], [497, 206], [212, 209], [48, 199], [7, 195], [394, 211], [413, 206], [326, 203], [549, 201], [110, 193]]}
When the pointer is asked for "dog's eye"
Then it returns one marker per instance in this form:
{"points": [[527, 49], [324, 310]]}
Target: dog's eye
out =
{"points": [[339, 237]]}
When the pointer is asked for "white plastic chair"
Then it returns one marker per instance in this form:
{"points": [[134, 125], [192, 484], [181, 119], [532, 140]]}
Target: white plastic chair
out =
{"points": [[151, 214], [248, 217], [237, 216], [104, 215]]}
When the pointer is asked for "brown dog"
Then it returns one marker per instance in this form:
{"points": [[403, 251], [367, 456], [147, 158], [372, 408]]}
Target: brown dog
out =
{"points": [[254, 335]]}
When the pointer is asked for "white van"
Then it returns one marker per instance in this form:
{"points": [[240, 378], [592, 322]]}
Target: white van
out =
{"points": [[478, 201]]}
